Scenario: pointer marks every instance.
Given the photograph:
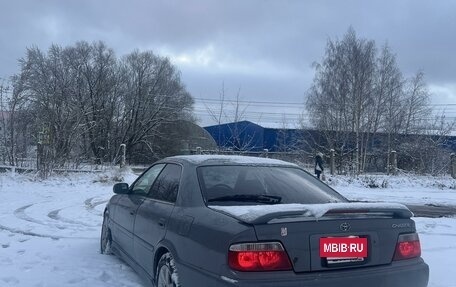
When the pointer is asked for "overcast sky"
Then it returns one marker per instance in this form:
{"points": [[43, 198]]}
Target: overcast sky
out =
{"points": [[264, 49]]}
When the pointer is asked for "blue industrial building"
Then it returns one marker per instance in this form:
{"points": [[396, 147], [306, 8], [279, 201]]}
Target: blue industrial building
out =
{"points": [[248, 136], [245, 135], [414, 152]]}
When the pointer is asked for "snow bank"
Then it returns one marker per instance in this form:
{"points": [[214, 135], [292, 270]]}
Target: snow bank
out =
{"points": [[389, 181], [418, 190]]}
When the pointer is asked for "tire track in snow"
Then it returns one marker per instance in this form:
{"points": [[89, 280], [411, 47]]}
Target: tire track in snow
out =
{"points": [[90, 206], [20, 213], [34, 234], [29, 233], [88, 203], [54, 214], [60, 223]]}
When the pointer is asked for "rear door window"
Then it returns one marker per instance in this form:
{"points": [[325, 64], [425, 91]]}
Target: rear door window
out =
{"points": [[166, 186]]}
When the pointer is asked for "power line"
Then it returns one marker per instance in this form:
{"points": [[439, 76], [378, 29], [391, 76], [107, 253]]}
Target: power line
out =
{"points": [[442, 106], [292, 104], [254, 112], [274, 116], [218, 101]]}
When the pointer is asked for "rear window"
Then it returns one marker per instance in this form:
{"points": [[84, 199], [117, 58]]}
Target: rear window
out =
{"points": [[252, 185]]}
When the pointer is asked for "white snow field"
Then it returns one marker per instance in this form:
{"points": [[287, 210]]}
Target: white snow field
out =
{"points": [[49, 230]]}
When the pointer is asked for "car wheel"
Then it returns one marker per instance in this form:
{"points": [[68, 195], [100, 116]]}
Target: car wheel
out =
{"points": [[105, 239], [166, 275]]}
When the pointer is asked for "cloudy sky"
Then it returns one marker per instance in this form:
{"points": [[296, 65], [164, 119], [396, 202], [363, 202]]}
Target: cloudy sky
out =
{"points": [[261, 49]]}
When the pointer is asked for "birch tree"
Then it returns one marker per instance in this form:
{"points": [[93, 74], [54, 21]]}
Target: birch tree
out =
{"points": [[341, 93], [359, 94]]}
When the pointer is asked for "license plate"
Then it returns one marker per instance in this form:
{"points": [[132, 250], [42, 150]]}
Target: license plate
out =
{"points": [[343, 249]]}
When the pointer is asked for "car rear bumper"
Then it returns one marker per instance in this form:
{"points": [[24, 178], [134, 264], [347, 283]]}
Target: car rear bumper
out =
{"points": [[398, 274]]}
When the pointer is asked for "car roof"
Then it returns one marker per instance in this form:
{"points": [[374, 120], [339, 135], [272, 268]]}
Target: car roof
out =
{"points": [[200, 160]]}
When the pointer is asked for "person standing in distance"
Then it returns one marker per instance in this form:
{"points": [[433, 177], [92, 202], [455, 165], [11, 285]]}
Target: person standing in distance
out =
{"points": [[319, 164]]}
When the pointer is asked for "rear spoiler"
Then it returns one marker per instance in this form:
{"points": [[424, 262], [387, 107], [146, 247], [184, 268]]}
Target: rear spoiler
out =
{"points": [[393, 212], [261, 214]]}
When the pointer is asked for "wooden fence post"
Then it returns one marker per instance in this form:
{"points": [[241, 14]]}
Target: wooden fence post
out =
{"points": [[393, 162], [332, 162], [123, 152]]}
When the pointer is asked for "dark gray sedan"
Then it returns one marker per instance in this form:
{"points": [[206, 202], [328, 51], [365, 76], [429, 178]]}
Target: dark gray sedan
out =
{"points": [[242, 221]]}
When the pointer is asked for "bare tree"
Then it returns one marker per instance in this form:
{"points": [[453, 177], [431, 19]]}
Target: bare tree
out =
{"points": [[4, 118], [152, 95], [94, 67], [81, 102], [428, 151], [216, 114], [240, 137], [416, 104], [388, 100], [341, 93], [45, 82], [357, 96]]}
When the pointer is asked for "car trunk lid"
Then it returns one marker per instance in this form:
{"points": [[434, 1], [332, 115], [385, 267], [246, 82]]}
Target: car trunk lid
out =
{"points": [[300, 231]]}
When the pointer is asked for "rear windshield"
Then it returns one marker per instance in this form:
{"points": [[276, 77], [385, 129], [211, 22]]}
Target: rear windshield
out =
{"points": [[252, 185]]}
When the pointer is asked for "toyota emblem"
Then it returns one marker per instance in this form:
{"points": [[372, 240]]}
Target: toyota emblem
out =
{"points": [[345, 226]]}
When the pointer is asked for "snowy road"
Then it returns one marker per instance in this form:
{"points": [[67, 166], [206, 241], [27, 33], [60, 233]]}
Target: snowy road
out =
{"points": [[49, 236]]}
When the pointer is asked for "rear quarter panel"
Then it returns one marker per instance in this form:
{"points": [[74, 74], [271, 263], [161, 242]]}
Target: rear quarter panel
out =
{"points": [[201, 238]]}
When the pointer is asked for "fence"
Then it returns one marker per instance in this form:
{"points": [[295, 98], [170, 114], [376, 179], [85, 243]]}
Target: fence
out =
{"points": [[392, 163], [31, 165], [335, 164]]}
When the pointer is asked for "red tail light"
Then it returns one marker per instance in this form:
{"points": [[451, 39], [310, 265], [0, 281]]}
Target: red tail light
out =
{"points": [[408, 246], [264, 256]]}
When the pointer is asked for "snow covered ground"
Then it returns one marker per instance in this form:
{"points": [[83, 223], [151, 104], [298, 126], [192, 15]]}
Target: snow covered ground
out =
{"points": [[49, 233], [438, 235], [401, 189], [49, 230]]}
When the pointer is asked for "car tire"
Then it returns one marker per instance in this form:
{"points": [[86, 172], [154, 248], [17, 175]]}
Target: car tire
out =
{"points": [[166, 275], [105, 238]]}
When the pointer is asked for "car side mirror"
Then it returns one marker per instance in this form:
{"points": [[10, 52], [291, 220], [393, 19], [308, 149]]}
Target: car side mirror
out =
{"points": [[120, 188]]}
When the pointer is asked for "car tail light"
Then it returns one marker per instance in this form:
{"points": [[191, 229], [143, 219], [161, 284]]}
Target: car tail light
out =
{"points": [[408, 246], [262, 256]]}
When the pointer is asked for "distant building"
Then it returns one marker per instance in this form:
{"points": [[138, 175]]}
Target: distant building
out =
{"points": [[248, 136], [174, 138]]}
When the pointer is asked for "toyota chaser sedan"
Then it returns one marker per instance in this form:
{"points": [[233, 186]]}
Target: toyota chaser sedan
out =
{"points": [[241, 221]]}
